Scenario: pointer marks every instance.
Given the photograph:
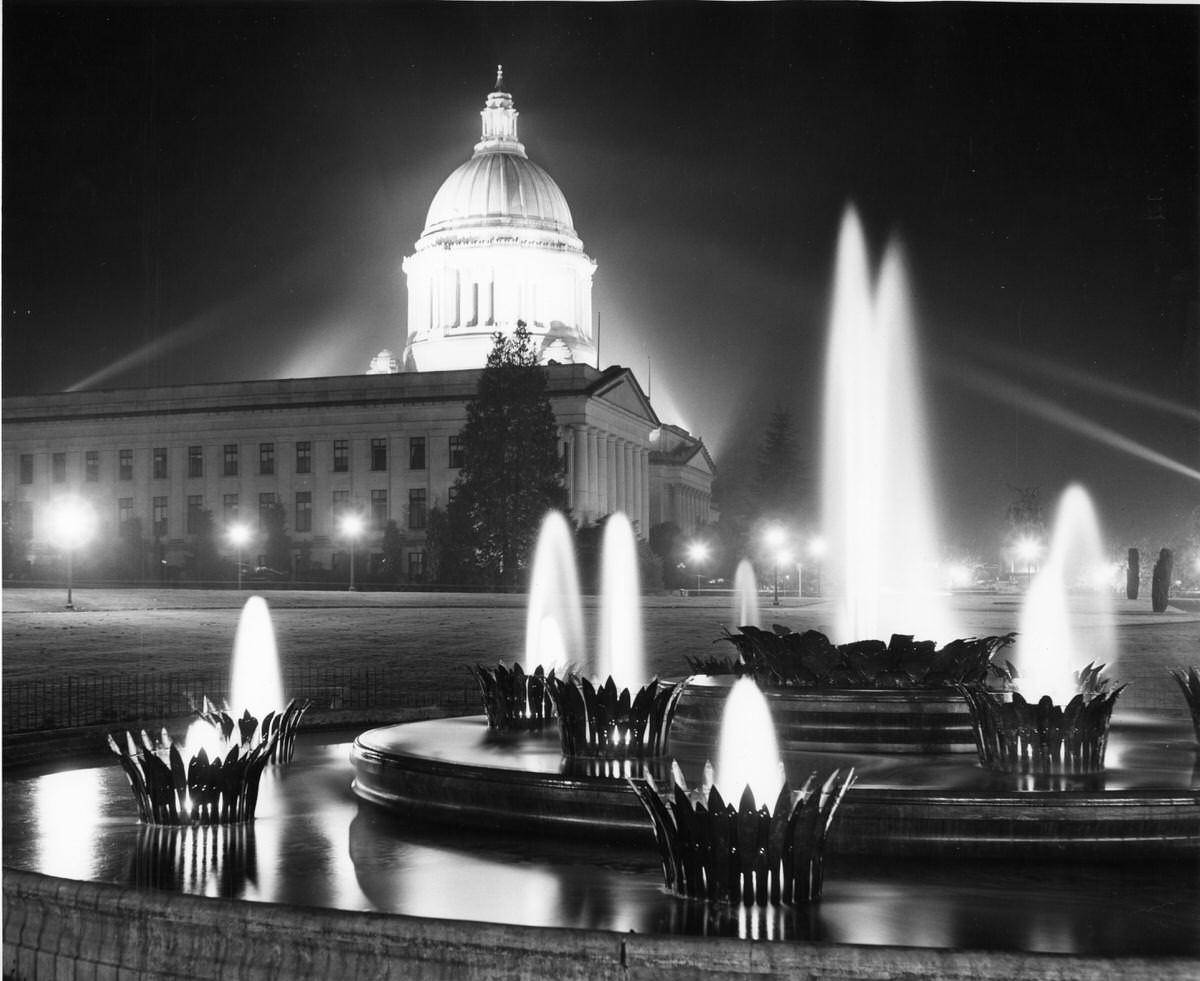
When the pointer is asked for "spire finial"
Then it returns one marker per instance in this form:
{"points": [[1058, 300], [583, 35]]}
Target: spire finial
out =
{"points": [[499, 78]]}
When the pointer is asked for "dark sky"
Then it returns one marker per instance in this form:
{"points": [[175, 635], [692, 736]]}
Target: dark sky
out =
{"points": [[210, 192]]}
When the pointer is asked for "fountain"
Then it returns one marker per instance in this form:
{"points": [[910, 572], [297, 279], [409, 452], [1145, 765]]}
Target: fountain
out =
{"points": [[214, 777], [745, 596], [461, 844], [1056, 719], [765, 848], [617, 718]]}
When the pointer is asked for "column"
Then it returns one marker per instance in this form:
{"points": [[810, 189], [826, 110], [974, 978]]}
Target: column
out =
{"points": [[610, 446], [593, 453], [581, 478], [639, 490], [630, 497], [622, 503], [604, 504]]}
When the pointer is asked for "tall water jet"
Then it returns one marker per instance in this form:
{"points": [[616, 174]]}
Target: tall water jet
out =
{"points": [[554, 619], [877, 498], [747, 750], [255, 685], [1066, 619], [745, 596], [620, 654]]}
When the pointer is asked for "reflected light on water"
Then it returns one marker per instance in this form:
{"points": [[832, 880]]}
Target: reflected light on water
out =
{"points": [[67, 811]]}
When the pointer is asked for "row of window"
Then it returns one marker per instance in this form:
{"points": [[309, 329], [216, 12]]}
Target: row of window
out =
{"points": [[301, 513], [417, 460]]}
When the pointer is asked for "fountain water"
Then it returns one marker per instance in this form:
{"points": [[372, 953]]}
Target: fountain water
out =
{"points": [[554, 620], [877, 499], [745, 596], [747, 752], [620, 655], [1053, 641]]}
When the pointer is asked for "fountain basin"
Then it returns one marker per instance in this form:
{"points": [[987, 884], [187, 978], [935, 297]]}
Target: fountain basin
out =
{"points": [[920, 721], [1146, 804], [333, 887]]}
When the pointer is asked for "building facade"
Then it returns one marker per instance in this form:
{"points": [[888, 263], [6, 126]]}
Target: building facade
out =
{"points": [[498, 248]]}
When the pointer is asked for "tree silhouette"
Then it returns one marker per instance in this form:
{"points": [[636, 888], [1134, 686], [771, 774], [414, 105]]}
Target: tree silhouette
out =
{"points": [[512, 473]]}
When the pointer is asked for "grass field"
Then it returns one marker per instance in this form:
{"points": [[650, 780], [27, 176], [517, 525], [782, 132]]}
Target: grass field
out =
{"points": [[421, 643]]}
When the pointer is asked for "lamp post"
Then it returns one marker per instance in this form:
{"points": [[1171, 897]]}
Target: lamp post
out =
{"points": [[73, 521], [352, 526], [697, 552], [239, 535], [1028, 550], [816, 548], [783, 558], [775, 537]]}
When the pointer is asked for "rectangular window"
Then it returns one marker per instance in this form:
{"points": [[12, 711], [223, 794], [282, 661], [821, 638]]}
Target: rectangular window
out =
{"points": [[379, 508], [229, 508], [416, 508], [341, 504], [457, 455], [341, 455], [266, 504], [230, 452], [160, 463], [160, 517], [452, 493], [91, 466], [195, 512], [303, 516], [27, 468], [124, 510], [58, 467], [379, 454], [266, 458], [416, 565], [304, 457], [125, 464], [416, 453], [195, 461]]}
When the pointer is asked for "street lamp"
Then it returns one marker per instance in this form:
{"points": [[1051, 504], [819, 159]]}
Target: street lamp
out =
{"points": [[239, 535], [782, 558], [698, 553], [775, 537], [1028, 549], [352, 526], [816, 548], [73, 521]]}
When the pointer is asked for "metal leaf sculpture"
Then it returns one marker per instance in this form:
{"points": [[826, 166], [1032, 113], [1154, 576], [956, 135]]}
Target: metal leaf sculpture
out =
{"points": [[1189, 684], [201, 791], [743, 854], [1014, 735], [602, 722], [781, 658], [513, 699]]}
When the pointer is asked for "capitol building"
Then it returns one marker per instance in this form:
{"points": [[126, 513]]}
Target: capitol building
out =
{"points": [[499, 246]]}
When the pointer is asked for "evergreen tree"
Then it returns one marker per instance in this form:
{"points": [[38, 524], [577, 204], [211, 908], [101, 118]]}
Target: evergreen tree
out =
{"points": [[393, 551], [277, 544], [512, 473], [780, 482]]}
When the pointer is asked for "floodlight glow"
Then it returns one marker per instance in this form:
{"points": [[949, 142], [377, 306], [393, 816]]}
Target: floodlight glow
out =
{"points": [[698, 552], [774, 536], [239, 534], [352, 525], [1028, 549], [72, 522], [817, 547]]}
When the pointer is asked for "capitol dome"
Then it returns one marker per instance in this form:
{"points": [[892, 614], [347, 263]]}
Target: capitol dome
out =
{"points": [[499, 188], [499, 246]]}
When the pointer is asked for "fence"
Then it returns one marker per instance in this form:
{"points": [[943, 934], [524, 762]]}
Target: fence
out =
{"points": [[65, 702]]}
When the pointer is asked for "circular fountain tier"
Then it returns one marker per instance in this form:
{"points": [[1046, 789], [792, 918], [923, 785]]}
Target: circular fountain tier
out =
{"points": [[1146, 803], [927, 721]]}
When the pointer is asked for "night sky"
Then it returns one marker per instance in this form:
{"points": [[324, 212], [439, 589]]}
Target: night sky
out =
{"points": [[210, 192]]}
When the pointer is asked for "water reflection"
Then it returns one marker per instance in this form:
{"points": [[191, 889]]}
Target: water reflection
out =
{"points": [[316, 845]]}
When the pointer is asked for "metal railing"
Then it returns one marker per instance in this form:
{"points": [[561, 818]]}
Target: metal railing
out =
{"points": [[65, 702]]}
